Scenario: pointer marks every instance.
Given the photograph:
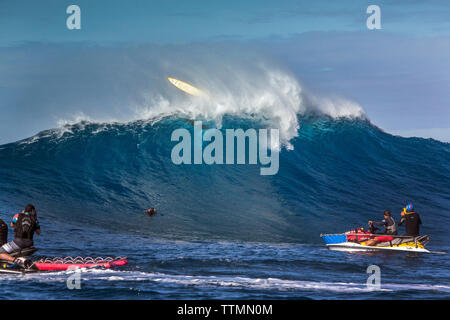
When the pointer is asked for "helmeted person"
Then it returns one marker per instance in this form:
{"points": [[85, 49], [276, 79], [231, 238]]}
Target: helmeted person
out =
{"points": [[25, 224], [390, 227], [411, 219]]}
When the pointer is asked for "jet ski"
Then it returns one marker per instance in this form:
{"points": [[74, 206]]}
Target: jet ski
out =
{"points": [[12, 267], [361, 240], [24, 252]]}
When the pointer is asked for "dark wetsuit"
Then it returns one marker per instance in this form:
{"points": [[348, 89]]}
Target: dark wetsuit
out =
{"points": [[20, 243], [389, 225], [413, 222], [3, 232]]}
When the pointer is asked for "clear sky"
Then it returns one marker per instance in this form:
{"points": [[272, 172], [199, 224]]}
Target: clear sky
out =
{"points": [[399, 74]]}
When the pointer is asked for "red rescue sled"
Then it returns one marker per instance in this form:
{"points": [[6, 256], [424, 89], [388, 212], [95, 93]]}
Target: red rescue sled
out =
{"points": [[67, 263]]}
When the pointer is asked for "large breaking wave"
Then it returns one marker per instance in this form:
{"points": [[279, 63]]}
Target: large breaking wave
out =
{"points": [[104, 84], [341, 173], [109, 161]]}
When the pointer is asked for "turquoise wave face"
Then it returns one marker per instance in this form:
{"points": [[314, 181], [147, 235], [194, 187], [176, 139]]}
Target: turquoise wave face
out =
{"points": [[340, 174]]}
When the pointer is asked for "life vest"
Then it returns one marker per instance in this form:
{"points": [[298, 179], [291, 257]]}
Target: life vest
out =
{"points": [[392, 229], [413, 222], [24, 226]]}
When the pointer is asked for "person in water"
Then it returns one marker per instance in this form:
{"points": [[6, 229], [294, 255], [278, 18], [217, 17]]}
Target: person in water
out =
{"points": [[390, 228], [150, 212], [25, 224], [412, 221]]}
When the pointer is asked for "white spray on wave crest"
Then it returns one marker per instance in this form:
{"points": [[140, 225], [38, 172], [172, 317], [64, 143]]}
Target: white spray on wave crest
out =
{"points": [[127, 84], [259, 92]]}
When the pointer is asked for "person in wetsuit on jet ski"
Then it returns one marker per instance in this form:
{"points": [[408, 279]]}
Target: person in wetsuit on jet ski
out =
{"points": [[412, 221], [390, 228], [25, 224]]}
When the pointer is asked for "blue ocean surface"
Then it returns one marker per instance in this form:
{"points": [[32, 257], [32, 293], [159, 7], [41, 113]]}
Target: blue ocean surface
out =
{"points": [[225, 231]]}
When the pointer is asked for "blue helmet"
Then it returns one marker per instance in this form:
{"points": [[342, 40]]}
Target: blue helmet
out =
{"points": [[409, 207]]}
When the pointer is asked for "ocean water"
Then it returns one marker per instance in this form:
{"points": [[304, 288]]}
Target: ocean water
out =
{"points": [[225, 231]]}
